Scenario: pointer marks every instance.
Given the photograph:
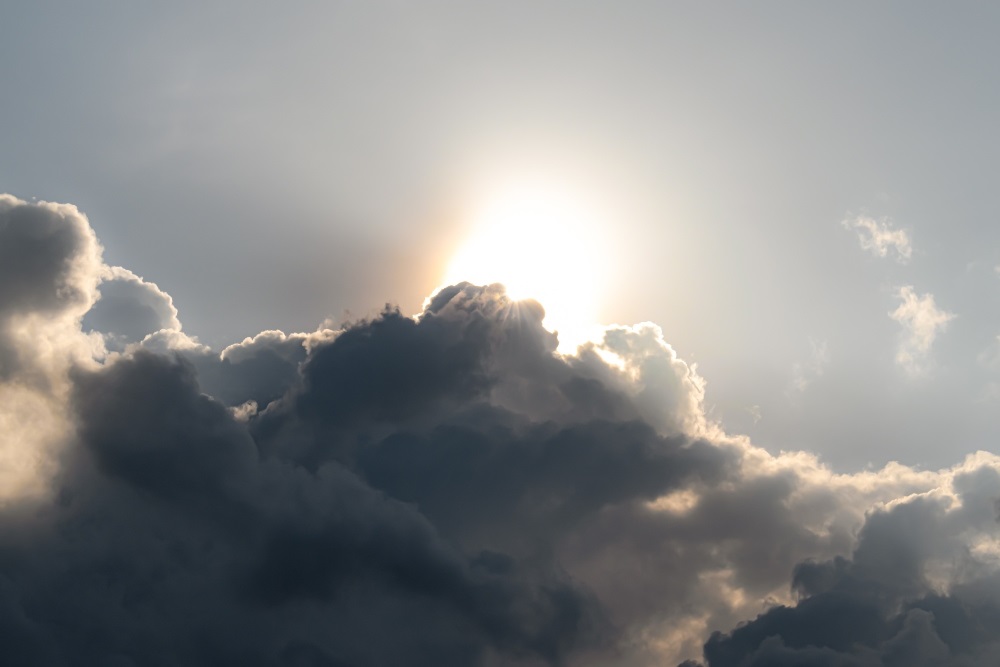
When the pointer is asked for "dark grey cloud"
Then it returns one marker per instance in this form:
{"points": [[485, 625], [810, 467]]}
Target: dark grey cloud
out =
{"points": [[442, 489], [174, 542], [255, 371], [888, 604]]}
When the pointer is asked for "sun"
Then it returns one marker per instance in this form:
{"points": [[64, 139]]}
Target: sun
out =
{"points": [[541, 245]]}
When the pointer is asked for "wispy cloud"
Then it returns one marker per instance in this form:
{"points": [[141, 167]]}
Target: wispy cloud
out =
{"points": [[880, 237], [922, 320], [806, 372], [990, 357]]}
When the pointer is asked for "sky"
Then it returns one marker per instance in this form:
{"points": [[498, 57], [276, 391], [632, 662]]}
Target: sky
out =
{"points": [[740, 388]]}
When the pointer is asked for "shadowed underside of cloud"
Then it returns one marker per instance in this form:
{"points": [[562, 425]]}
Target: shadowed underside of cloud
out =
{"points": [[883, 606], [443, 489]]}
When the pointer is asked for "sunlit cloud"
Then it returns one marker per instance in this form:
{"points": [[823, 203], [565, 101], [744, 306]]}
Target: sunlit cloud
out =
{"points": [[881, 237], [922, 321], [541, 244]]}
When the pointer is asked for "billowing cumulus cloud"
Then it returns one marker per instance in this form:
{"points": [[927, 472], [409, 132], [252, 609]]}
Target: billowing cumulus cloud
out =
{"points": [[445, 489], [920, 588], [50, 263], [129, 309], [881, 237]]}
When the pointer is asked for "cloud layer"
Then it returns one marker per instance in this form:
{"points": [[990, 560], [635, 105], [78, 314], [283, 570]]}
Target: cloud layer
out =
{"points": [[443, 489]]}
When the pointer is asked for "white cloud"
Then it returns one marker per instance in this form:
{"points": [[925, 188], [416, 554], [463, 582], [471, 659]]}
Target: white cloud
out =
{"points": [[922, 320], [880, 237], [638, 361], [50, 266]]}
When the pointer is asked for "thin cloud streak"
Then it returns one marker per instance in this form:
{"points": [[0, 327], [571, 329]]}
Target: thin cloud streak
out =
{"points": [[807, 372]]}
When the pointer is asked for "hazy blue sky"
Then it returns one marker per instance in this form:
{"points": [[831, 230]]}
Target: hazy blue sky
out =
{"points": [[270, 166]]}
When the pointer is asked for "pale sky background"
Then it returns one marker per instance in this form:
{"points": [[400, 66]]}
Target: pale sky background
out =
{"points": [[272, 166]]}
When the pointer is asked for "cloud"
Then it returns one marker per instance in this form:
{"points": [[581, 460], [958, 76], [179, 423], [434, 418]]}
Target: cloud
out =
{"points": [[129, 309], [922, 320], [50, 263], [440, 489], [901, 598], [880, 237], [806, 372]]}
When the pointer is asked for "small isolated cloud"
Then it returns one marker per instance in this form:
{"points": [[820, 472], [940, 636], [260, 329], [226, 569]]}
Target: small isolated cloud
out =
{"points": [[922, 320], [880, 237], [806, 372]]}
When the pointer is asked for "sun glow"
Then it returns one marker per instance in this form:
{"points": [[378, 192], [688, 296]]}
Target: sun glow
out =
{"points": [[541, 246]]}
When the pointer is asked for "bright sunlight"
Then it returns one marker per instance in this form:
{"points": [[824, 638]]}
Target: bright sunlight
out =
{"points": [[540, 245]]}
